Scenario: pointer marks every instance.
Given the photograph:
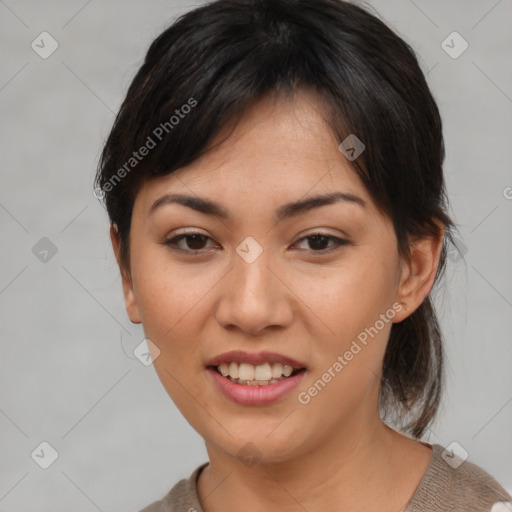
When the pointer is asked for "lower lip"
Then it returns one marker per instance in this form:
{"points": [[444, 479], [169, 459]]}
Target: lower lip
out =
{"points": [[255, 395]]}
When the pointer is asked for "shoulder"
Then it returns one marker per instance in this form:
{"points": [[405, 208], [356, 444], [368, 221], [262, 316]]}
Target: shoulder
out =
{"points": [[182, 497], [450, 484]]}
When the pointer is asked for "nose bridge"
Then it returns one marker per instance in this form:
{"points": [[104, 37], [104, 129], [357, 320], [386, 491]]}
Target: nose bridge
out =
{"points": [[253, 298], [251, 279], [251, 276]]}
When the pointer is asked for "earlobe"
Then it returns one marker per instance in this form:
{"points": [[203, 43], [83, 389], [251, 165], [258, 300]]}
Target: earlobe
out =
{"points": [[418, 274], [132, 308]]}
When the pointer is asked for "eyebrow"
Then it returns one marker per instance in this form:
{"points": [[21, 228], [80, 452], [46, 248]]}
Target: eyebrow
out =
{"points": [[285, 211]]}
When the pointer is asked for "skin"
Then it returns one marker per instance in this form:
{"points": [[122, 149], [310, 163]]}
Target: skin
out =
{"points": [[334, 453]]}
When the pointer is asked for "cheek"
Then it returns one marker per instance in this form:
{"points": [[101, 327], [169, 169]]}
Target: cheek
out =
{"points": [[167, 293], [171, 299], [347, 297], [346, 304]]}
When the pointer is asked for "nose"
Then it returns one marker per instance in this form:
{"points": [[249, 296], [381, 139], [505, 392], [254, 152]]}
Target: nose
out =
{"points": [[254, 298]]}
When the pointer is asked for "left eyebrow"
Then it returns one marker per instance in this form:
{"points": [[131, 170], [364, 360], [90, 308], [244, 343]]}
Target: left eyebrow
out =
{"points": [[285, 211], [299, 207]]}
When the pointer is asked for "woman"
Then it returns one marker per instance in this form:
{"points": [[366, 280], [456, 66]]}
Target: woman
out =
{"points": [[278, 211]]}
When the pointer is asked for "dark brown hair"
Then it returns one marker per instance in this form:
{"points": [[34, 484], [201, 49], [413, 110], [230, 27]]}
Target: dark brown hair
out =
{"points": [[211, 64]]}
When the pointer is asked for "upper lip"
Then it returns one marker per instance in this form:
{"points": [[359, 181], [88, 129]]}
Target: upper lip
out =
{"points": [[239, 356]]}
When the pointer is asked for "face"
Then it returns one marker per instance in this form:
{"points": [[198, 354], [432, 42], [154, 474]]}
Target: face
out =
{"points": [[306, 284]]}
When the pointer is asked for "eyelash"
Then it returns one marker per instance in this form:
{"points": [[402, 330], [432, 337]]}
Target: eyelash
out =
{"points": [[172, 242]]}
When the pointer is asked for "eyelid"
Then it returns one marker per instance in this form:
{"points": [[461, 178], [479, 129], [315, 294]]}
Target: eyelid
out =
{"points": [[189, 231], [172, 240], [321, 232]]}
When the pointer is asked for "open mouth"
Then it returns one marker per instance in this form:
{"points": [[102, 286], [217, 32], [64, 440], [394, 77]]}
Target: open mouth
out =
{"points": [[258, 381]]}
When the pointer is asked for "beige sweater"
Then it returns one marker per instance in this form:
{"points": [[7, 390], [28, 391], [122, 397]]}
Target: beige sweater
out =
{"points": [[468, 488]]}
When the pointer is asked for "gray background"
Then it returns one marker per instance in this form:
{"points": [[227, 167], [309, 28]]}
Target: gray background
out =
{"points": [[68, 375]]}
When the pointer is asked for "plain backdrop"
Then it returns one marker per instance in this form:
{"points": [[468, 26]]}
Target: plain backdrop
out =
{"points": [[68, 375]]}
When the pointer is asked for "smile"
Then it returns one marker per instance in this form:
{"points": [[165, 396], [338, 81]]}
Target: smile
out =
{"points": [[255, 392]]}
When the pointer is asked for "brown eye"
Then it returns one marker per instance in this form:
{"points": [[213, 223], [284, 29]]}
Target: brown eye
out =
{"points": [[318, 242], [193, 242]]}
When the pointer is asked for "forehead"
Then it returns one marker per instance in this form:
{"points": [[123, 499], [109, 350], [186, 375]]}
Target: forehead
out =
{"points": [[282, 149]]}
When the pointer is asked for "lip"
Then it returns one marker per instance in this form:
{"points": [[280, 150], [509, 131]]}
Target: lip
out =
{"points": [[255, 395], [255, 359]]}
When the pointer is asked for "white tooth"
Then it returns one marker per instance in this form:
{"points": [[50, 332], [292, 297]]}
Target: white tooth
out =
{"points": [[263, 372], [287, 370], [277, 370], [224, 369], [245, 371], [233, 370]]}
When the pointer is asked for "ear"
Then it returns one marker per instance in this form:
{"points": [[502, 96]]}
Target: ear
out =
{"points": [[129, 298], [419, 273]]}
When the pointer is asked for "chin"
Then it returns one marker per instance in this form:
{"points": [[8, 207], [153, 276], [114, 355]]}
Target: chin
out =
{"points": [[256, 446]]}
